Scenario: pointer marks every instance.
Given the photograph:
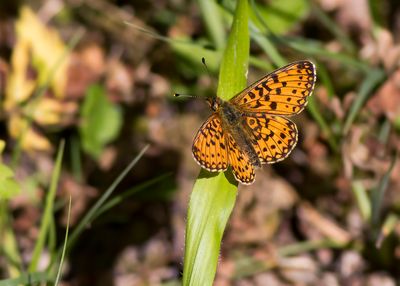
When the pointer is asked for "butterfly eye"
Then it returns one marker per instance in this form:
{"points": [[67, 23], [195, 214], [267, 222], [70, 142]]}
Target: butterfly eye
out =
{"points": [[215, 105], [213, 102]]}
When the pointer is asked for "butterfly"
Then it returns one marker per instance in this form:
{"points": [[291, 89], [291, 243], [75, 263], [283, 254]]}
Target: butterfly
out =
{"points": [[252, 128]]}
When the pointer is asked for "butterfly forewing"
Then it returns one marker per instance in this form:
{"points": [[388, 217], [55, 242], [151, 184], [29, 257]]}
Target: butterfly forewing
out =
{"points": [[282, 92], [209, 147], [273, 137]]}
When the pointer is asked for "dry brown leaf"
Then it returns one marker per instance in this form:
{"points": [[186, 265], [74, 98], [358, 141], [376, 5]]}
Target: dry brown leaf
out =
{"points": [[119, 81], [81, 196], [327, 227], [147, 265], [388, 52], [299, 269], [363, 150], [256, 216], [387, 98], [354, 15], [380, 279], [351, 263], [184, 27]]}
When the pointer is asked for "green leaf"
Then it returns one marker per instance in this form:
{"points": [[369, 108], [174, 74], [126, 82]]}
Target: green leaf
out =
{"points": [[8, 186], [210, 206], [101, 121], [234, 65], [214, 195]]}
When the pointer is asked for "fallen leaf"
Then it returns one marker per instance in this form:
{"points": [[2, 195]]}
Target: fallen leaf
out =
{"points": [[324, 225]]}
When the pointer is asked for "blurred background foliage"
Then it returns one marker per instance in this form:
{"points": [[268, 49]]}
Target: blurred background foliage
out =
{"points": [[99, 75]]}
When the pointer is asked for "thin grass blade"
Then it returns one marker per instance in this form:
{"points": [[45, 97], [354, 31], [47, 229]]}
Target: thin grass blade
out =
{"points": [[362, 200], [213, 21], [64, 246], [92, 212], [370, 82], [379, 193], [48, 210], [36, 278]]}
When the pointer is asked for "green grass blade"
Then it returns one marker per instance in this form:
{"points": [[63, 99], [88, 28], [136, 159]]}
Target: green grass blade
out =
{"points": [[379, 193], [316, 49], [120, 198], [37, 278], [373, 78], [52, 236], [268, 47], [337, 31], [384, 131], [48, 210], [258, 35], [192, 52], [214, 196], [65, 245], [315, 112], [213, 21], [309, 245], [93, 210], [362, 200], [388, 227]]}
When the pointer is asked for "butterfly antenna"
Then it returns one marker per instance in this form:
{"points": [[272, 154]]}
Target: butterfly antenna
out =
{"points": [[187, 95], [203, 60]]}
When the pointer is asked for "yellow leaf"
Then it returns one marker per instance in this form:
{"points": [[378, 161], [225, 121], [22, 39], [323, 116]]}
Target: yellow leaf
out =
{"points": [[19, 88], [48, 50], [49, 111], [2, 146], [31, 141]]}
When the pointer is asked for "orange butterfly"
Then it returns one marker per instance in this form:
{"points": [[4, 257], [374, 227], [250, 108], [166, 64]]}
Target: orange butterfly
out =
{"points": [[251, 129]]}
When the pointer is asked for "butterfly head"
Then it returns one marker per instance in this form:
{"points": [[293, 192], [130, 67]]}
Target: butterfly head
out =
{"points": [[214, 102]]}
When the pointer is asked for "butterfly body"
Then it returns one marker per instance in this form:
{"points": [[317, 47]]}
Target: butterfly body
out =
{"points": [[233, 119], [251, 129]]}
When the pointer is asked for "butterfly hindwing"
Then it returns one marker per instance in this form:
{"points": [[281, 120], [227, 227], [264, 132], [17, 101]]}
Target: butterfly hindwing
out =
{"points": [[273, 137], [241, 167], [282, 92], [209, 147]]}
